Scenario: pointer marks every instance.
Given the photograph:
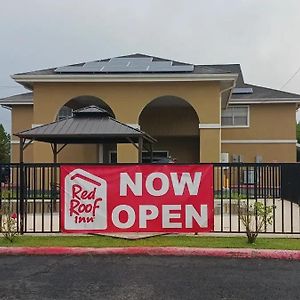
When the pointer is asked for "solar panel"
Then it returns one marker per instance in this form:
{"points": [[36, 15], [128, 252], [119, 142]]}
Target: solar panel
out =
{"points": [[139, 61], [242, 91], [127, 65], [154, 68]]}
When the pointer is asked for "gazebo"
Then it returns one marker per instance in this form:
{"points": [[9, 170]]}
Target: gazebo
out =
{"points": [[88, 125]]}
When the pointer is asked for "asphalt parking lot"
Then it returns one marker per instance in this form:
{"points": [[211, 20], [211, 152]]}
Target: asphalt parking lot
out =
{"points": [[147, 277]]}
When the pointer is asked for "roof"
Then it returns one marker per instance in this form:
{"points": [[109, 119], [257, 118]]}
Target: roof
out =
{"points": [[20, 99], [232, 68], [263, 94], [198, 69], [88, 125], [258, 94]]}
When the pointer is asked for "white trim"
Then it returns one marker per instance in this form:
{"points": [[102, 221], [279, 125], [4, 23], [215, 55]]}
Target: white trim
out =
{"points": [[135, 126], [233, 126], [14, 142], [100, 153], [36, 125], [265, 101], [209, 126], [124, 78], [259, 141], [220, 132], [238, 126], [16, 103]]}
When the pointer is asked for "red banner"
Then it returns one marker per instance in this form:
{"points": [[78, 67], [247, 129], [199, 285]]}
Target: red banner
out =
{"points": [[137, 198]]}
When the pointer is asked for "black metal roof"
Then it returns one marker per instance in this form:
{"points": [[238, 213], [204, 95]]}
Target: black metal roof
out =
{"points": [[89, 125]]}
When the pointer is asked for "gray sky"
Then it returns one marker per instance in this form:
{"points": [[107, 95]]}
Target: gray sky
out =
{"points": [[261, 35]]}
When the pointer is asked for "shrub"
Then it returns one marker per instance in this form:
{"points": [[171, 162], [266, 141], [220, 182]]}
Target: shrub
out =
{"points": [[255, 217], [8, 218]]}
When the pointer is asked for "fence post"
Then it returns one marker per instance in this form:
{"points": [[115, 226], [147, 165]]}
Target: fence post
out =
{"points": [[22, 186]]}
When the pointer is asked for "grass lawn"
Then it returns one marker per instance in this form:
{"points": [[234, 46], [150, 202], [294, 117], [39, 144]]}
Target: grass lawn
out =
{"points": [[159, 241]]}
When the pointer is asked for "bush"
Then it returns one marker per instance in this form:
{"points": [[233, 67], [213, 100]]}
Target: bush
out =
{"points": [[8, 218], [255, 217]]}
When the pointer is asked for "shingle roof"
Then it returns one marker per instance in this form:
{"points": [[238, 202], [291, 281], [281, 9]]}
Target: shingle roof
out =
{"points": [[88, 125], [233, 68], [198, 69], [25, 98], [258, 92], [263, 93]]}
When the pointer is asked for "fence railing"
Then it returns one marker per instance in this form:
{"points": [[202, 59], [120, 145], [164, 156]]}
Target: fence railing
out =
{"points": [[32, 191]]}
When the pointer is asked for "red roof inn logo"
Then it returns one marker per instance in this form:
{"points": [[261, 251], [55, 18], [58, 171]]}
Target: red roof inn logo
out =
{"points": [[137, 198], [85, 205]]}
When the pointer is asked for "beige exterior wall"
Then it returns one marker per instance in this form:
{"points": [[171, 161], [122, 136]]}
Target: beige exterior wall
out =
{"points": [[170, 121], [127, 100], [266, 122], [210, 139], [15, 153], [268, 152], [21, 119]]}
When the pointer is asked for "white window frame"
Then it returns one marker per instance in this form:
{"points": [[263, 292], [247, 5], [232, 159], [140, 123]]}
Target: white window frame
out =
{"points": [[238, 126]]}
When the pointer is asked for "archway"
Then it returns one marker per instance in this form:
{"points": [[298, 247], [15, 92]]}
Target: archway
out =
{"points": [[78, 102], [102, 153], [175, 124]]}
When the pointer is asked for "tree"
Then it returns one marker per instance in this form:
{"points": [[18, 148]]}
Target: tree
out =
{"points": [[4, 146], [298, 132]]}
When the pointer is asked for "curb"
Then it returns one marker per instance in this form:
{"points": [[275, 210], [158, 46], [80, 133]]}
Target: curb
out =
{"points": [[154, 251]]}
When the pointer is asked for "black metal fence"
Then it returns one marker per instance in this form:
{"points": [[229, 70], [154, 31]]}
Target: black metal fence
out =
{"points": [[32, 192]]}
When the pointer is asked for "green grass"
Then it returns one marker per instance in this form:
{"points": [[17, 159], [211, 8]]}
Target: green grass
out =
{"points": [[159, 241]]}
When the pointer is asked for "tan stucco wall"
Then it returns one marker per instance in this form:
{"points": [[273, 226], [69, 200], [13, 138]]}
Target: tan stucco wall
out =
{"points": [[266, 122], [170, 121], [21, 119], [28, 154], [189, 153], [126, 100], [210, 141], [269, 152]]}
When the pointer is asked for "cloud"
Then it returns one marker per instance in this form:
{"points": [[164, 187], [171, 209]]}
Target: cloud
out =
{"points": [[262, 35]]}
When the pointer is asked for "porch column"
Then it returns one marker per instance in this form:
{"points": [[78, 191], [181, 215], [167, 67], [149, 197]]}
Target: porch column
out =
{"points": [[127, 153], [210, 145]]}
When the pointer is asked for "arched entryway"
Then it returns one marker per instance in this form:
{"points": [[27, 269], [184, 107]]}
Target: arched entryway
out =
{"points": [[175, 124], [102, 153], [79, 102]]}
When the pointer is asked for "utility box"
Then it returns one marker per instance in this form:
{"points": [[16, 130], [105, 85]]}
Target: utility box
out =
{"points": [[224, 158], [237, 158]]}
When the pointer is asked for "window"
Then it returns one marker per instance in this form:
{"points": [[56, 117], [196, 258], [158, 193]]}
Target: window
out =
{"points": [[235, 116]]}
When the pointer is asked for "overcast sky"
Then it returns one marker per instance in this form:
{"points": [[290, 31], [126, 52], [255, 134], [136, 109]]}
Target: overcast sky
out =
{"points": [[262, 35]]}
